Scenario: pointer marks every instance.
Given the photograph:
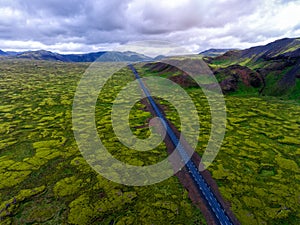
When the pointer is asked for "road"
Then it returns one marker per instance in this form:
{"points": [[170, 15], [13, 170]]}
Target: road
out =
{"points": [[199, 180]]}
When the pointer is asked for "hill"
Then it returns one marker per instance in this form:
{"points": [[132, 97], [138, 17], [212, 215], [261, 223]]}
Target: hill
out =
{"points": [[276, 64], [280, 49]]}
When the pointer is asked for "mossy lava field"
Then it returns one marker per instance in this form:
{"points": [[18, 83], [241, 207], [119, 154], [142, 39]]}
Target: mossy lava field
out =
{"points": [[45, 180]]}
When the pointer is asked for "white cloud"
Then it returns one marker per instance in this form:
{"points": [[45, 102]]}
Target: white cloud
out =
{"points": [[82, 26]]}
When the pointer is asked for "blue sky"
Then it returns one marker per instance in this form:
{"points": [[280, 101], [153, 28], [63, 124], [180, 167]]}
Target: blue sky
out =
{"points": [[95, 25]]}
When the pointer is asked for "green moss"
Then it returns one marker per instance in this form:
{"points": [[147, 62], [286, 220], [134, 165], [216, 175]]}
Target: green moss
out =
{"points": [[6, 221], [4, 128], [246, 217], [126, 220], [68, 186], [9, 207], [39, 213], [47, 144], [12, 178], [5, 163], [81, 212], [290, 140], [237, 120], [254, 160], [22, 166], [36, 162], [82, 165], [39, 139], [252, 202], [26, 193], [271, 135], [6, 143], [45, 153], [48, 102], [118, 199], [220, 173], [47, 118], [287, 164], [7, 108], [265, 172]]}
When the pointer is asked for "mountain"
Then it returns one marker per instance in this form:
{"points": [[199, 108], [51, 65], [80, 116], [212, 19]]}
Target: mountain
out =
{"points": [[8, 53], [214, 52], [287, 47], [12, 53], [89, 57], [40, 55], [2, 53], [159, 57], [270, 70], [123, 56], [276, 65]]}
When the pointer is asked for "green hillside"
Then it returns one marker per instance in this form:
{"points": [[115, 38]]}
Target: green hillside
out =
{"points": [[277, 65]]}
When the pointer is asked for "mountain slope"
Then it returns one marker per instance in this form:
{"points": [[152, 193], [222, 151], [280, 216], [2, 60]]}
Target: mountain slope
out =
{"points": [[277, 63], [287, 47], [274, 49], [2, 53]]}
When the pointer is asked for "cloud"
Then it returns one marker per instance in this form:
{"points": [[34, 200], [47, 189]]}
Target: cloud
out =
{"points": [[81, 26], [151, 17]]}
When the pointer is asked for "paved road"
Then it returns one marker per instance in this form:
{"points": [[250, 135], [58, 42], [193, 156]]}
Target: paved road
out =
{"points": [[199, 180]]}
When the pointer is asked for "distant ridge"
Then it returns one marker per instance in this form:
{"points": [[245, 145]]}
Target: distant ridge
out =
{"points": [[89, 57], [286, 47], [214, 52], [3, 53]]}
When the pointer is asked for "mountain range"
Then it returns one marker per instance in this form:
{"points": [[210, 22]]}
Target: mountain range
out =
{"points": [[272, 69], [103, 56]]}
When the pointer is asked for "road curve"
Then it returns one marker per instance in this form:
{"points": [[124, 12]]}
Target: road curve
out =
{"points": [[199, 180]]}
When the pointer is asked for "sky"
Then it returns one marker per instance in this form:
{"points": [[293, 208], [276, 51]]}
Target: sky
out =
{"points": [[78, 26]]}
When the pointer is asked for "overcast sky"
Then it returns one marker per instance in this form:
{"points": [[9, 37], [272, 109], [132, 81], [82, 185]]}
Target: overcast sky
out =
{"points": [[95, 25]]}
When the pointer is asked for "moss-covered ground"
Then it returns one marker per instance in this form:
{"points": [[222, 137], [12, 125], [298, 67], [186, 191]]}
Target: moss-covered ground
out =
{"points": [[45, 180], [258, 166], [43, 177]]}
